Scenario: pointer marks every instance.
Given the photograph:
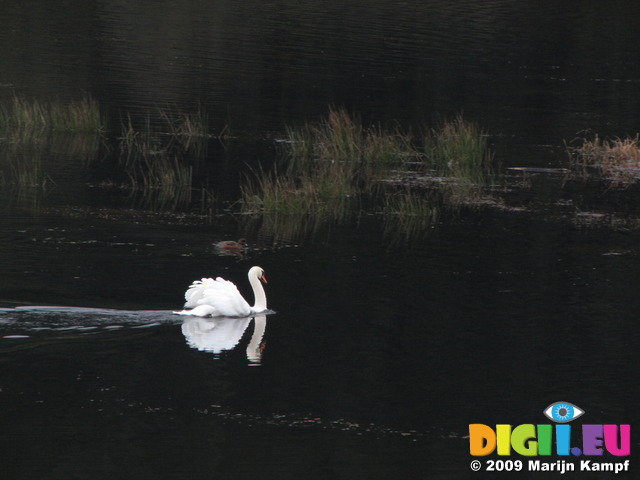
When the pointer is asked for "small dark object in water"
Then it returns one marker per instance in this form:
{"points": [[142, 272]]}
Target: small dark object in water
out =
{"points": [[232, 248]]}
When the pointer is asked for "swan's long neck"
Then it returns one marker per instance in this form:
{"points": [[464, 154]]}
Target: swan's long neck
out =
{"points": [[260, 304]]}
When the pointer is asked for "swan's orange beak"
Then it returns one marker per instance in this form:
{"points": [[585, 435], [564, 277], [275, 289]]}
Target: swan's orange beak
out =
{"points": [[263, 278]]}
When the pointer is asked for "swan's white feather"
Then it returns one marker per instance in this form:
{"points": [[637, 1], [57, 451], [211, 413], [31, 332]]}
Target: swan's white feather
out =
{"points": [[220, 296], [195, 292], [212, 298], [200, 311]]}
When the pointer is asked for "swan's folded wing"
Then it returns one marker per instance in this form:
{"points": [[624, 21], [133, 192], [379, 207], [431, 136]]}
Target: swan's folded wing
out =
{"points": [[224, 296], [195, 292], [199, 311]]}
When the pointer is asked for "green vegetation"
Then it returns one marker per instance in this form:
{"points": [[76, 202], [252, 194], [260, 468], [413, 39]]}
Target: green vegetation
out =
{"points": [[315, 195], [409, 214], [458, 149], [24, 119], [161, 173], [184, 124], [340, 147], [138, 142], [22, 174], [161, 184], [158, 174], [330, 170], [327, 169], [150, 153], [175, 131]]}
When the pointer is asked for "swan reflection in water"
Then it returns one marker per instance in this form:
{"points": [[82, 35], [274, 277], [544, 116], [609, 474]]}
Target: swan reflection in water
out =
{"points": [[218, 334]]}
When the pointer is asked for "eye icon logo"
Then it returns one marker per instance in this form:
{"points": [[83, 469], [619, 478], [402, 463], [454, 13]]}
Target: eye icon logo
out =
{"points": [[563, 412]]}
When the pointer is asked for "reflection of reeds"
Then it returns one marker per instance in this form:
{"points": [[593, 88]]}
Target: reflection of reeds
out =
{"points": [[21, 165], [156, 176], [22, 174], [618, 159], [161, 172], [308, 195], [154, 155], [275, 229], [409, 214], [162, 183]]}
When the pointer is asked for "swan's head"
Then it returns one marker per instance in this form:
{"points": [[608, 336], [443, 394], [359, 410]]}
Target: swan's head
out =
{"points": [[257, 272]]}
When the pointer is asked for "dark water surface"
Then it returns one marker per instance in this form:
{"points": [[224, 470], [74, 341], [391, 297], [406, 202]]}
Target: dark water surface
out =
{"points": [[380, 353]]}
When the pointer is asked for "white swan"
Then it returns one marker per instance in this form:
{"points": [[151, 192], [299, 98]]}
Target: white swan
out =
{"points": [[220, 297]]}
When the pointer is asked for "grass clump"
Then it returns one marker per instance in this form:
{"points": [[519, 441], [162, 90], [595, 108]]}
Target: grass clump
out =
{"points": [[186, 124], [137, 142], [408, 214], [170, 130], [617, 159], [342, 141], [332, 168], [77, 116], [24, 119], [327, 166], [458, 149]]}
